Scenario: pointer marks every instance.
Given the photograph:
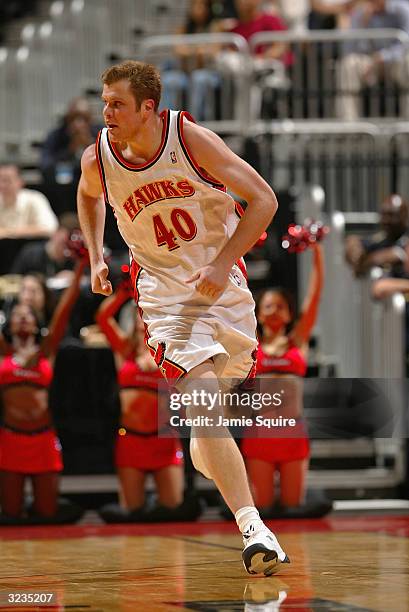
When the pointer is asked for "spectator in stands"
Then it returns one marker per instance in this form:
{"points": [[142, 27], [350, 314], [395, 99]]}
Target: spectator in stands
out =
{"points": [[24, 213], [387, 286], [191, 73], [366, 62], [269, 61], [53, 261], [331, 14], [294, 13], [62, 150], [387, 247], [51, 258], [251, 20]]}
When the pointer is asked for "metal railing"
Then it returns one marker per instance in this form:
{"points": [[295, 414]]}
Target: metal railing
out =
{"points": [[322, 74], [366, 336], [246, 101], [229, 101]]}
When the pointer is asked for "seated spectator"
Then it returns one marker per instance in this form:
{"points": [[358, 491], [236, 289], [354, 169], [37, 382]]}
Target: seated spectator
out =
{"points": [[367, 61], [387, 247], [24, 213], [251, 20], [191, 72], [270, 60], [49, 258], [330, 14], [295, 13], [387, 286], [62, 150]]}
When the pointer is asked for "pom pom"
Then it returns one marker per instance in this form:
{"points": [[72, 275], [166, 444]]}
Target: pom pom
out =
{"points": [[301, 237], [76, 248]]}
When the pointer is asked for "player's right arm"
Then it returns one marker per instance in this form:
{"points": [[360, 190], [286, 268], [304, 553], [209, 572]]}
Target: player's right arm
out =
{"points": [[91, 213]]}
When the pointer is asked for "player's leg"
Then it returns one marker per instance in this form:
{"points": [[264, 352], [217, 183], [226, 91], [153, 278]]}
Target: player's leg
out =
{"points": [[216, 452], [132, 488], [170, 484], [214, 449]]}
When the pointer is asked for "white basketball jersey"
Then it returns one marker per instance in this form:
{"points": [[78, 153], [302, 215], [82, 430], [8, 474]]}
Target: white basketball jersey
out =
{"points": [[174, 217]]}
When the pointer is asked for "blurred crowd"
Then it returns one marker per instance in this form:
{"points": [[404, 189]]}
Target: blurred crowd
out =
{"points": [[193, 76]]}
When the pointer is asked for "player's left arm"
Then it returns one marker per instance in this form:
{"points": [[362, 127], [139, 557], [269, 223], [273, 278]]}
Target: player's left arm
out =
{"points": [[212, 154]]}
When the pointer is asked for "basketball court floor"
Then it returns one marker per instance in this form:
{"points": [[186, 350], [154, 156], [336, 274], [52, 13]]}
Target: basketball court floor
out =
{"points": [[343, 563]]}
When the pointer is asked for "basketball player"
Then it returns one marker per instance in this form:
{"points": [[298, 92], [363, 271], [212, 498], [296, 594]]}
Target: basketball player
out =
{"points": [[165, 178]]}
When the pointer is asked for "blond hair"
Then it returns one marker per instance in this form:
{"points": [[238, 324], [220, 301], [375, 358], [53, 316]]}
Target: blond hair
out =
{"points": [[144, 80]]}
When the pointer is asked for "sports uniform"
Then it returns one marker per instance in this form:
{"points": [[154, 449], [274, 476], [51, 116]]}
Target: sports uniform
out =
{"points": [[144, 450], [175, 218], [28, 452]]}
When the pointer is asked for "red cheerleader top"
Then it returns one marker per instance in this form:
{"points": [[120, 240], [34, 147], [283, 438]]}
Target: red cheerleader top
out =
{"points": [[13, 373], [290, 362], [131, 376]]}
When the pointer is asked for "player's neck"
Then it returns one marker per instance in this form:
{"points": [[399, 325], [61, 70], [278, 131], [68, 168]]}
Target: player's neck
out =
{"points": [[148, 139]]}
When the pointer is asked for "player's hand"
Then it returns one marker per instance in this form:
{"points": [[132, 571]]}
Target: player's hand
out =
{"points": [[99, 279], [210, 280]]}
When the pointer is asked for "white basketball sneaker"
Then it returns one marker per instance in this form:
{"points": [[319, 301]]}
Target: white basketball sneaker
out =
{"points": [[262, 554]]}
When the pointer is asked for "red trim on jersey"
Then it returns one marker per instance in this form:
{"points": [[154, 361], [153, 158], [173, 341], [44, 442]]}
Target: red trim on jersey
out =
{"points": [[124, 162], [99, 164], [199, 170], [135, 271], [171, 371], [240, 264], [239, 209]]}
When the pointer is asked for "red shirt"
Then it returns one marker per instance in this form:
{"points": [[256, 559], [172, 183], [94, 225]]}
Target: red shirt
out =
{"points": [[38, 375], [263, 23]]}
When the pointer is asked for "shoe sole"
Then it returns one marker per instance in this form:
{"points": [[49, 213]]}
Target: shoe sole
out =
{"points": [[257, 559]]}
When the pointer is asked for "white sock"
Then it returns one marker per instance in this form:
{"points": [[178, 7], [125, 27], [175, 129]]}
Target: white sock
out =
{"points": [[247, 516]]}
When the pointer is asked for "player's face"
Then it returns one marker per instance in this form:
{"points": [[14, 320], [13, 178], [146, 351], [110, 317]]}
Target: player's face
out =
{"points": [[121, 115], [274, 311]]}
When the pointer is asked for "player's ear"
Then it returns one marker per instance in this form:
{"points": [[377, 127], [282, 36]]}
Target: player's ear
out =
{"points": [[148, 106]]}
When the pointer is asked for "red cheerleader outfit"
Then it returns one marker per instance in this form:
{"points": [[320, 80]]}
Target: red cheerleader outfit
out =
{"points": [[138, 449], [293, 443], [28, 452]]}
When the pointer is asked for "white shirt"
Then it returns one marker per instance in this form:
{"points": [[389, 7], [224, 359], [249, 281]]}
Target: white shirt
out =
{"points": [[30, 209], [174, 217]]}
